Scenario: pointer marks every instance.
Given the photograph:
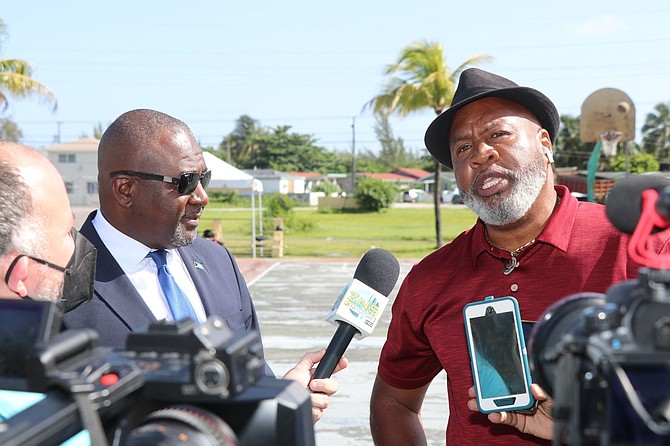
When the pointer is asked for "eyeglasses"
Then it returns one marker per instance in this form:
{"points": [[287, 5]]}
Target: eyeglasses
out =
{"points": [[186, 183], [38, 260]]}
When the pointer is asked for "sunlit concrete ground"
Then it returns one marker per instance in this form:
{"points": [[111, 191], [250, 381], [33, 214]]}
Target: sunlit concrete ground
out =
{"points": [[292, 299]]}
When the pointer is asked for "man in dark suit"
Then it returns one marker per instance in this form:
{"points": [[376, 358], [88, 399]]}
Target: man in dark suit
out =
{"points": [[118, 308], [152, 178]]}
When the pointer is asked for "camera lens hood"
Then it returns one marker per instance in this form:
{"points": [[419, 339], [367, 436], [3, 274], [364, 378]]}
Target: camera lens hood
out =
{"points": [[546, 339]]}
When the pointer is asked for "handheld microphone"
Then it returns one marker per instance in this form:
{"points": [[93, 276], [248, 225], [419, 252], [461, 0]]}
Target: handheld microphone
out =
{"points": [[359, 306], [624, 200]]}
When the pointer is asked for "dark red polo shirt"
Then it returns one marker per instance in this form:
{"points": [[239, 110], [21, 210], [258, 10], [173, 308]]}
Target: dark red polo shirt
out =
{"points": [[579, 250]]}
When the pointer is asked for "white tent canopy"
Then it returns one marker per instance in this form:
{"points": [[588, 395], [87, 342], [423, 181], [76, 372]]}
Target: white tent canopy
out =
{"points": [[225, 176]]}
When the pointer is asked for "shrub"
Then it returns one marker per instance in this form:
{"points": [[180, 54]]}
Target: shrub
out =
{"points": [[291, 223], [279, 205], [230, 197], [637, 163], [300, 223], [374, 195], [327, 187]]}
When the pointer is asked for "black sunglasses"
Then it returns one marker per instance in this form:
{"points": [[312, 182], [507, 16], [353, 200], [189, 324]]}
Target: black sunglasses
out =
{"points": [[38, 260], [186, 183]]}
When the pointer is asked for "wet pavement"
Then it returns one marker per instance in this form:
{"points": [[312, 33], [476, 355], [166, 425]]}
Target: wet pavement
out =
{"points": [[292, 298]]}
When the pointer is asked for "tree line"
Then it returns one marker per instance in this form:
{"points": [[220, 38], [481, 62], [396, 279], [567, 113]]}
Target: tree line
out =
{"points": [[252, 146]]}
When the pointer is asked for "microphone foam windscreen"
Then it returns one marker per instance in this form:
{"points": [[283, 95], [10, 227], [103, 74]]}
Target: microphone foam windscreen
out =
{"points": [[379, 270], [624, 201]]}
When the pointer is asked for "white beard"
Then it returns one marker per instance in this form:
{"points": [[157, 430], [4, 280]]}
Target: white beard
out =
{"points": [[526, 184], [182, 237]]}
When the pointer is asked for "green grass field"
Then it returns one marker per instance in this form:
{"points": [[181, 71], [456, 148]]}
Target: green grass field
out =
{"points": [[405, 232]]}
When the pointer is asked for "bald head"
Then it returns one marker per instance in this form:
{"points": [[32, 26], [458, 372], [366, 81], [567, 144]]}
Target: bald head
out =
{"points": [[32, 191], [35, 220], [131, 140], [138, 155], [15, 197]]}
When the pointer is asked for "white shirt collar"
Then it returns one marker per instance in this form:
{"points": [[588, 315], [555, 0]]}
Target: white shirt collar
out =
{"points": [[128, 252]]}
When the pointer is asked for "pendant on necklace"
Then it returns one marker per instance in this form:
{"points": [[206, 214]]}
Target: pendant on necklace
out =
{"points": [[510, 265]]}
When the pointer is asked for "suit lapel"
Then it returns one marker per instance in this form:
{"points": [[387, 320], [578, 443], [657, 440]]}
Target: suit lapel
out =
{"points": [[113, 287], [201, 276]]}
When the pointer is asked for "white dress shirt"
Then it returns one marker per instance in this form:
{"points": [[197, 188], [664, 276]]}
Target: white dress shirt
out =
{"points": [[131, 256]]}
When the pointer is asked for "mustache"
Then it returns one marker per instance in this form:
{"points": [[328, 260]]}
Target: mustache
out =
{"points": [[194, 211], [492, 170]]}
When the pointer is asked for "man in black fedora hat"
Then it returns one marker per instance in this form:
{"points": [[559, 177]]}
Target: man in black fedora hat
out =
{"points": [[532, 241]]}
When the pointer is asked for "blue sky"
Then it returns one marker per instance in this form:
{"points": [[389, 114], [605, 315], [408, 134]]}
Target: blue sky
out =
{"points": [[313, 65]]}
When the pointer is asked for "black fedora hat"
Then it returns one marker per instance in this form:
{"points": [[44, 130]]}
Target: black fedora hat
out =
{"points": [[475, 84]]}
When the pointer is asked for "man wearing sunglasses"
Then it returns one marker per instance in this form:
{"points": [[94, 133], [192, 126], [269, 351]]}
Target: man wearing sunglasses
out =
{"points": [[152, 179]]}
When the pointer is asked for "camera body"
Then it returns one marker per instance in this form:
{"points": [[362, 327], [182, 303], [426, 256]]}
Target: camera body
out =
{"points": [[605, 360], [201, 382]]}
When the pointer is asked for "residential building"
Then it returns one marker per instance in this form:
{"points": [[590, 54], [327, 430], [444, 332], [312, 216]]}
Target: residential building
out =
{"points": [[275, 181], [77, 162], [447, 181], [403, 182], [411, 172]]}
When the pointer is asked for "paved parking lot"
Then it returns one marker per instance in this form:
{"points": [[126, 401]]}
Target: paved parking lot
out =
{"points": [[292, 299]]}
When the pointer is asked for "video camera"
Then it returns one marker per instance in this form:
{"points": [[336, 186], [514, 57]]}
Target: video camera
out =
{"points": [[200, 384], [605, 358]]}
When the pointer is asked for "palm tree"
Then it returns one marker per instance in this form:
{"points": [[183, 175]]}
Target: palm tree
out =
{"points": [[656, 132], [419, 80], [9, 131], [241, 144], [570, 150], [16, 81]]}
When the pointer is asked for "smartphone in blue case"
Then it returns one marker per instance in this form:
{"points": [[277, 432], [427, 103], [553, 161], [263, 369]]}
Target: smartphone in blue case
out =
{"points": [[498, 355]]}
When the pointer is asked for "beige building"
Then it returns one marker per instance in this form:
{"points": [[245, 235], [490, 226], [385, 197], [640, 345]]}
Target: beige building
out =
{"points": [[77, 162]]}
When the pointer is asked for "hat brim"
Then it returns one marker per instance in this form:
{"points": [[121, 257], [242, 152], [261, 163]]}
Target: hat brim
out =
{"points": [[437, 134]]}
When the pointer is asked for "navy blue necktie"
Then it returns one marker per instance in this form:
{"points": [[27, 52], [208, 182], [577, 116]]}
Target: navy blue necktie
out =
{"points": [[179, 305]]}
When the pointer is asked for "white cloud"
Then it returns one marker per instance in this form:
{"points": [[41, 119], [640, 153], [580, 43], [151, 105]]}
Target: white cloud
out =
{"points": [[606, 25]]}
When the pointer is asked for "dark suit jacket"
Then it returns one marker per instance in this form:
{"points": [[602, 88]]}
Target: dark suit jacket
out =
{"points": [[117, 308]]}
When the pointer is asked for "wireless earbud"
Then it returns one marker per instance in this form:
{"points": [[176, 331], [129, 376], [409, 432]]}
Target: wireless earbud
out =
{"points": [[549, 154]]}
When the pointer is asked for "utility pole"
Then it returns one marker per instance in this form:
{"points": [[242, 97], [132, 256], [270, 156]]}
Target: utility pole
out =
{"points": [[353, 154], [57, 138]]}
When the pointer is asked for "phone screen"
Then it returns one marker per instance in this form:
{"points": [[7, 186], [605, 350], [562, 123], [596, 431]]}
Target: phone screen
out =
{"points": [[497, 352], [498, 355]]}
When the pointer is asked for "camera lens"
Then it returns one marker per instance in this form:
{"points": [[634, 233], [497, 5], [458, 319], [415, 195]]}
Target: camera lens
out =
{"points": [[182, 425], [545, 346]]}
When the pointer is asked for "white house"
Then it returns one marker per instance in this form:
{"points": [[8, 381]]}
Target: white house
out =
{"points": [[275, 181], [77, 162]]}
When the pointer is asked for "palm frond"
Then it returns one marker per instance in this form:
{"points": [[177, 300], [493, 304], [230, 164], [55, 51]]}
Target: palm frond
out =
{"points": [[15, 81], [16, 66], [419, 79]]}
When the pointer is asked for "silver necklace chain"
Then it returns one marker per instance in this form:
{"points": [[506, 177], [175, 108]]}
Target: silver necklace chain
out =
{"points": [[513, 262]]}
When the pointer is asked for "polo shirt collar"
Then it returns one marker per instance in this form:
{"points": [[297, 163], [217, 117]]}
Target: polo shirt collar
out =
{"points": [[557, 232]]}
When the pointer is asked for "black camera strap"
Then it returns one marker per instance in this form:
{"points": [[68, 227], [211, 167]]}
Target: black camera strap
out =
{"points": [[561, 411], [90, 419]]}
